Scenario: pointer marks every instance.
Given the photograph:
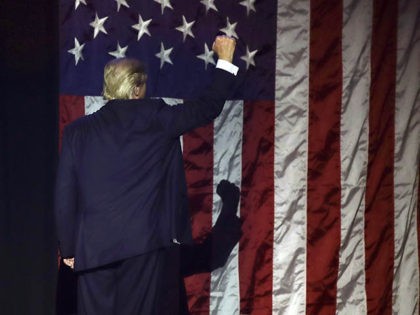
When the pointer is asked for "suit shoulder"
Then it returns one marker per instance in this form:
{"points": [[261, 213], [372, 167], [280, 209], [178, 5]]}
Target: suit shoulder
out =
{"points": [[134, 102], [77, 124], [150, 104]]}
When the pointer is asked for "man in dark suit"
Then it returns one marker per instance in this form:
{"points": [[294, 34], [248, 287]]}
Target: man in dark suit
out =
{"points": [[121, 204]]}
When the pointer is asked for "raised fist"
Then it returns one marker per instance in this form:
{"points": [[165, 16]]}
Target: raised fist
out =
{"points": [[229, 193], [224, 47]]}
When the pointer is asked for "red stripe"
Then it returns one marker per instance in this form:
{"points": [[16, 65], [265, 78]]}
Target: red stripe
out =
{"points": [[379, 216], [198, 157], [323, 204], [257, 209], [70, 108]]}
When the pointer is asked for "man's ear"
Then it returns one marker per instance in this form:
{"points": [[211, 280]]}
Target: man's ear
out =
{"points": [[137, 92]]}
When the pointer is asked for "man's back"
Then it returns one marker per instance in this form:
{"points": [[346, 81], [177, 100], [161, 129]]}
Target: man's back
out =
{"points": [[122, 156], [124, 167]]}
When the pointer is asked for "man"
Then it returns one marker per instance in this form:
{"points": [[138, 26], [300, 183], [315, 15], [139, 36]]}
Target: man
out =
{"points": [[121, 204]]}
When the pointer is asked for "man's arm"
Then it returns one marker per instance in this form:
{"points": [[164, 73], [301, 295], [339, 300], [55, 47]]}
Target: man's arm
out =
{"points": [[65, 207], [191, 114]]}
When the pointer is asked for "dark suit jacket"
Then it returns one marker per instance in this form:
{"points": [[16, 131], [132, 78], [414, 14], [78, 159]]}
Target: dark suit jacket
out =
{"points": [[121, 187]]}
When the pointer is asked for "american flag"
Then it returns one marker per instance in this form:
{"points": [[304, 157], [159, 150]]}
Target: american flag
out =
{"points": [[323, 138]]}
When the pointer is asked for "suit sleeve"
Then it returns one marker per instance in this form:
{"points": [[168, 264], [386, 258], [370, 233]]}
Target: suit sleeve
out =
{"points": [[195, 113], [65, 204]]}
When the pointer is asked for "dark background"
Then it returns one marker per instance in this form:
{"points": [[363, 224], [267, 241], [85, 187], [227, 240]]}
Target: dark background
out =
{"points": [[28, 155]]}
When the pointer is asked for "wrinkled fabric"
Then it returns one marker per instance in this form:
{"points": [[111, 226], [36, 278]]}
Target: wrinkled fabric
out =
{"points": [[290, 159], [224, 294], [405, 293], [351, 298]]}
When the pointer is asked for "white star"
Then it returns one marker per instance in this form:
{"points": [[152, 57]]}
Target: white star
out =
{"points": [[78, 2], [229, 30], [77, 51], [207, 56], [209, 4], [164, 4], [120, 3], [185, 28], [249, 4], [142, 27], [249, 57], [119, 52], [163, 55], [98, 25]]}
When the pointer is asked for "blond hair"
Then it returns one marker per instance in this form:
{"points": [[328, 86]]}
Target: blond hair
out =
{"points": [[121, 76]]}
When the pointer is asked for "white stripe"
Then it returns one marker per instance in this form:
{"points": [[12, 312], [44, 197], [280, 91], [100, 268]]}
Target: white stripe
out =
{"points": [[93, 103], [224, 292], [356, 42], [407, 148], [290, 157]]}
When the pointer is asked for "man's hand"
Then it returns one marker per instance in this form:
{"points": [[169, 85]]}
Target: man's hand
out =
{"points": [[69, 262], [224, 47]]}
